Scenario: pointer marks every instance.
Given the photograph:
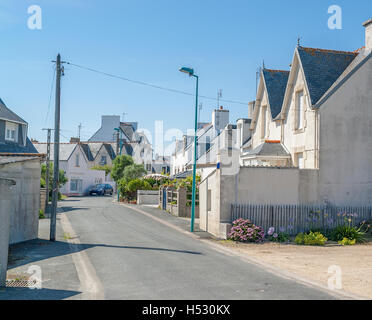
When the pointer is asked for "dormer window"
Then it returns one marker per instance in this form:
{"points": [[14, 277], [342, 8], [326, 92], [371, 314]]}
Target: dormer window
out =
{"points": [[10, 131], [77, 162]]}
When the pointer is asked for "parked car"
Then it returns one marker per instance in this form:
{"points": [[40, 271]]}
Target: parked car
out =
{"points": [[101, 190]]}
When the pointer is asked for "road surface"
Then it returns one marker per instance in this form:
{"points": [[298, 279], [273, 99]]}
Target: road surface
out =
{"points": [[132, 256]]}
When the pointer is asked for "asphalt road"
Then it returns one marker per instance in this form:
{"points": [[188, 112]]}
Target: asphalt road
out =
{"points": [[136, 257]]}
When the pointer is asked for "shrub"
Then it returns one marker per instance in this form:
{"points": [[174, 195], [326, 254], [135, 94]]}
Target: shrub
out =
{"points": [[41, 214], [128, 190], [246, 231], [347, 242], [311, 239], [300, 239], [350, 232], [280, 236]]}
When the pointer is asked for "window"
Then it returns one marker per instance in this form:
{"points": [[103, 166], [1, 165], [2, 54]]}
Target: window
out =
{"points": [[77, 161], [299, 114], [263, 121], [148, 166], [10, 131], [103, 160], [76, 185]]}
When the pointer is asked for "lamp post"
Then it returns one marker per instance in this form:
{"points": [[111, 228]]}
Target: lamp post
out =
{"points": [[190, 72], [120, 148]]}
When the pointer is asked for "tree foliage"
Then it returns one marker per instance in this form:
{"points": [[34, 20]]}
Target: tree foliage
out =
{"points": [[62, 178], [119, 165], [134, 171]]}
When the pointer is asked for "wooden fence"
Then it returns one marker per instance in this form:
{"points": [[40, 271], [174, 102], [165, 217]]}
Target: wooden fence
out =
{"points": [[299, 218]]}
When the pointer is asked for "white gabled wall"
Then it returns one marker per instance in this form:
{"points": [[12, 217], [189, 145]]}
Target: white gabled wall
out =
{"points": [[303, 140], [345, 155], [83, 172]]}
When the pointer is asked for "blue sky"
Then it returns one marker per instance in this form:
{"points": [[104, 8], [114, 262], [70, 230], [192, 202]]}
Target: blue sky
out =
{"points": [[225, 41]]}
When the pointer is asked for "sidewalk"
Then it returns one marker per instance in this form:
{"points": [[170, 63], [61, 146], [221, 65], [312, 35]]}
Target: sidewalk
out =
{"points": [[55, 262]]}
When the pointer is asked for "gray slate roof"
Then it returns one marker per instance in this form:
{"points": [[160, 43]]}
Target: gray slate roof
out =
{"points": [[8, 114], [322, 68], [11, 147], [65, 150], [276, 83], [128, 130], [11, 159], [269, 149]]}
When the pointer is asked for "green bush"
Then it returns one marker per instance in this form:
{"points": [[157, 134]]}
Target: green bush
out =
{"points": [[347, 242], [300, 239], [42, 183], [349, 232], [311, 239], [41, 214], [128, 189]]}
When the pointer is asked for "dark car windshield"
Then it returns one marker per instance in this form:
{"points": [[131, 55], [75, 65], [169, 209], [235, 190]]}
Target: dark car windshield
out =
{"points": [[100, 186]]}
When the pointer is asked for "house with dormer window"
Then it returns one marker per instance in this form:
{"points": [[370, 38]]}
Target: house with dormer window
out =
{"points": [[21, 163], [311, 138]]}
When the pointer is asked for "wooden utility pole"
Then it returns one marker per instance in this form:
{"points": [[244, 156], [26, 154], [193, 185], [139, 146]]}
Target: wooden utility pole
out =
{"points": [[53, 217], [47, 170]]}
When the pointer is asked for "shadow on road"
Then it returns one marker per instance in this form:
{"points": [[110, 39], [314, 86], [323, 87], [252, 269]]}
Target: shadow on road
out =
{"points": [[38, 250], [68, 209], [35, 294]]}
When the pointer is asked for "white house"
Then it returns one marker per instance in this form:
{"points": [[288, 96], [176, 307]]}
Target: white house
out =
{"points": [[77, 161], [182, 158], [128, 140], [20, 162], [310, 142]]}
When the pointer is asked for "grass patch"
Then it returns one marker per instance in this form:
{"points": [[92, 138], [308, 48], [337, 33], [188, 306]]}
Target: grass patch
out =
{"points": [[66, 236]]}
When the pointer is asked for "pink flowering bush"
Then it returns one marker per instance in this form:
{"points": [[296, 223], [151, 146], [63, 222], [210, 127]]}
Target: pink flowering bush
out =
{"points": [[246, 231]]}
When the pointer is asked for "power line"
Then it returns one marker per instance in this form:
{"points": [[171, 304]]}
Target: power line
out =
{"points": [[50, 95], [152, 85]]}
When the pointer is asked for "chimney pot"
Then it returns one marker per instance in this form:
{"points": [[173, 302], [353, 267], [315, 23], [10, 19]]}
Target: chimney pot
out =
{"points": [[368, 29]]}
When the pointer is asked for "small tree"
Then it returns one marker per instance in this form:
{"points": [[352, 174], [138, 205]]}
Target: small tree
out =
{"points": [[119, 165], [133, 172], [62, 178]]}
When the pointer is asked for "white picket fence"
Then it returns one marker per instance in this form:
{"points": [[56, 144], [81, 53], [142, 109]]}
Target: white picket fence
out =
{"points": [[299, 218]]}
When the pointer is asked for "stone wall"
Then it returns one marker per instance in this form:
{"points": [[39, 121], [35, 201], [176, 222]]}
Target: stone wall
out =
{"points": [[252, 185], [148, 197]]}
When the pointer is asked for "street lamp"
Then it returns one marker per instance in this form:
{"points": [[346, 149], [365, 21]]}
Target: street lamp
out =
{"points": [[120, 148], [190, 72]]}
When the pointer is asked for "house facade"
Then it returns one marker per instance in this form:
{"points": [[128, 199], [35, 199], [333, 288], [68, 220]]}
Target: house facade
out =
{"points": [[310, 138], [20, 162], [78, 161], [125, 139], [182, 157]]}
